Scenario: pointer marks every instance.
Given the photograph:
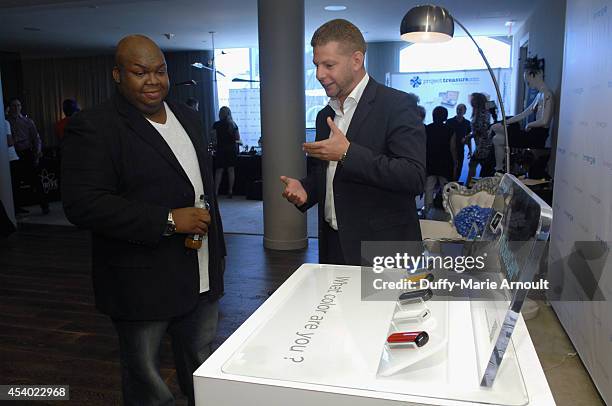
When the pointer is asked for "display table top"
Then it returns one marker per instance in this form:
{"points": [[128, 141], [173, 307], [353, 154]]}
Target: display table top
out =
{"points": [[315, 340]]}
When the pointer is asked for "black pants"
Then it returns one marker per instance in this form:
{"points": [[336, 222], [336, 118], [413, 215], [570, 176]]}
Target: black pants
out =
{"points": [[330, 249], [139, 344], [26, 170], [460, 158], [534, 138]]}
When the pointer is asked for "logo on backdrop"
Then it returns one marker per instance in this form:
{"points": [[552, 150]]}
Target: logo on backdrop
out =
{"points": [[416, 81]]}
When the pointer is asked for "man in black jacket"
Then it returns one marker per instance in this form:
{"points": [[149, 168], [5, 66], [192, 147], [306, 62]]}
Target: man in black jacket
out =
{"points": [[132, 170], [370, 150]]}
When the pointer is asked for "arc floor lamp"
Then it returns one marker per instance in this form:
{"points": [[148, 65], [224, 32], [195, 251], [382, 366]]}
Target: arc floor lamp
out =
{"points": [[430, 24]]}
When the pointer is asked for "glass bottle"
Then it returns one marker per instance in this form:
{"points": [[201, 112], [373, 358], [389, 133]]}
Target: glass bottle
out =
{"points": [[194, 241]]}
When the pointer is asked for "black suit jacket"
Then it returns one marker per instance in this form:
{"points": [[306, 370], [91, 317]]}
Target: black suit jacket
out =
{"points": [[375, 187], [120, 179]]}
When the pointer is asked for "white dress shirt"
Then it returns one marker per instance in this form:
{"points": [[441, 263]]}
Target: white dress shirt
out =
{"points": [[179, 142], [344, 115]]}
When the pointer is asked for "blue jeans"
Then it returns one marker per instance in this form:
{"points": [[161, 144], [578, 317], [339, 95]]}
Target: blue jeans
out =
{"points": [[139, 343]]}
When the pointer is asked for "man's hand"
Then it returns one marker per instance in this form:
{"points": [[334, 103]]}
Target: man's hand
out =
{"points": [[294, 191], [191, 220], [330, 149]]}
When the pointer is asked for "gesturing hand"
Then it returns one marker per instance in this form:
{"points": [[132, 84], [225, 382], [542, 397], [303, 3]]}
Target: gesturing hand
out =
{"points": [[191, 220], [330, 149], [294, 191]]}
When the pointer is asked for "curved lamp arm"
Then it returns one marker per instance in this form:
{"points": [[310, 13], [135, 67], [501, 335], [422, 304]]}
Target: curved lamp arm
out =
{"points": [[499, 96]]}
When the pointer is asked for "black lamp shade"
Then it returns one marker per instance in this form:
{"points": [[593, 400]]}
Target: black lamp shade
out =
{"points": [[427, 24]]}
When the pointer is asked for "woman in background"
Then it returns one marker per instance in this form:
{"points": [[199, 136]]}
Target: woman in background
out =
{"points": [[481, 118], [441, 155], [226, 155]]}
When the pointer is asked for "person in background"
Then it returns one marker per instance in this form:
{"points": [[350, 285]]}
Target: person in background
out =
{"points": [[12, 155], [29, 149], [414, 97], [462, 129], [481, 119], [422, 113], [69, 107], [441, 155], [193, 103], [228, 138]]}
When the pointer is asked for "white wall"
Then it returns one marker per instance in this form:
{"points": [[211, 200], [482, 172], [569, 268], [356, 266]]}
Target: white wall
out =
{"points": [[583, 188]]}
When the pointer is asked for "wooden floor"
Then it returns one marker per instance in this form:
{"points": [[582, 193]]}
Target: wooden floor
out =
{"points": [[51, 333]]}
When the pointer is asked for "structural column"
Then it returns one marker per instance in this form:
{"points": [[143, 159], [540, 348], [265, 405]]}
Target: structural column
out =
{"points": [[281, 71]]}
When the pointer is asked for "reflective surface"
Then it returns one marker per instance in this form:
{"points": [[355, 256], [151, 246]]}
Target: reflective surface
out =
{"points": [[321, 332]]}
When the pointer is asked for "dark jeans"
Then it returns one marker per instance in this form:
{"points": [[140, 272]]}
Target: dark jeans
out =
{"points": [[460, 158], [333, 250], [26, 170], [139, 343], [535, 138]]}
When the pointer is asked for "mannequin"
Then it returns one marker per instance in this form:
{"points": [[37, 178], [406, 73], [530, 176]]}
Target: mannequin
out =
{"points": [[536, 132]]}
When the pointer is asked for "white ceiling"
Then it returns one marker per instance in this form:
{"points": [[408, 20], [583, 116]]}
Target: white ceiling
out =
{"points": [[37, 27]]}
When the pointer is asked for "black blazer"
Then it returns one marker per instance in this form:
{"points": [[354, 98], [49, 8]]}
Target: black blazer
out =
{"points": [[375, 187], [120, 179]]}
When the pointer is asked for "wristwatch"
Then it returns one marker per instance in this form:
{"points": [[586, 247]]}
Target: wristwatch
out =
{"points": [[343, 158], [170, 225]]}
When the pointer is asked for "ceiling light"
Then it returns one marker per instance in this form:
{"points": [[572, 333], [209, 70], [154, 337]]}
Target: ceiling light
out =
{"points": [[335, 8]]}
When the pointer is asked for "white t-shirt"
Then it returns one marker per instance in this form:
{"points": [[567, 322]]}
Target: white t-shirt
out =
{"points": [[12, 154], [179, 142]]}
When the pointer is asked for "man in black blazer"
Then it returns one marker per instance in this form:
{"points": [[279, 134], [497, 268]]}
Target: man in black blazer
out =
{"points": [[132, 170], [365, 182]]}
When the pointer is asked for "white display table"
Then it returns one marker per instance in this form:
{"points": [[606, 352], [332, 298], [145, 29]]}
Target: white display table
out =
{"points": [[315, 342]]}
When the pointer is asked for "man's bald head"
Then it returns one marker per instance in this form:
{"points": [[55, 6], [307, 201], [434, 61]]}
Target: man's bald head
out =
{"points": [[140, 73], [136, 45]]}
